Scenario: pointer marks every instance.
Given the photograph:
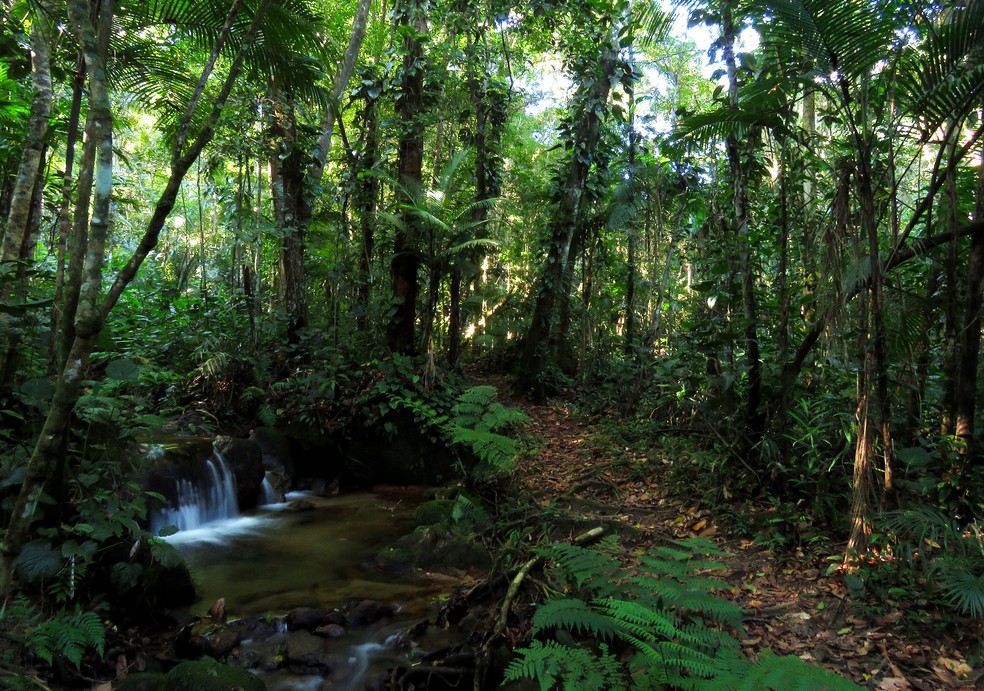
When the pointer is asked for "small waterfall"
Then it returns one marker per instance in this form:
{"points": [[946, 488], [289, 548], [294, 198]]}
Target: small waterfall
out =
{"points": [[211, 496], [268, 495]]}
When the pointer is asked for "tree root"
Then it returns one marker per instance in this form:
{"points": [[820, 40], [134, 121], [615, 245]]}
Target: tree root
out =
{"points": [[483, 653]]}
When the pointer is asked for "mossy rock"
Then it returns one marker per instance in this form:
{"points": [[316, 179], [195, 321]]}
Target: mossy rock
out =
{"points": [[433, 548], [436, 512], [144, 681], [208, 675]]}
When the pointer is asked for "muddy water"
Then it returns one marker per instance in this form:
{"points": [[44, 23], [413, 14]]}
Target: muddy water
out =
{"points": [[279, 559]]}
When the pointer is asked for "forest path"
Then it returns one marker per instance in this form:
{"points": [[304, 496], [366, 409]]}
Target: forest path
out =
{"points": [[795, 602]]}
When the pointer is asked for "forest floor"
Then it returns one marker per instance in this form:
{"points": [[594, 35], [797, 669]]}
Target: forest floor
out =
{"points": [[794, 602]]}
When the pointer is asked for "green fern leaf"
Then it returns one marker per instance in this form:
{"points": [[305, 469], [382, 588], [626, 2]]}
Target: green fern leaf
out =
{"points": [[576, 616]]}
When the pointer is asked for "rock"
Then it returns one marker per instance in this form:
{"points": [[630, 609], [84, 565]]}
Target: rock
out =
{"points": [[307, 653], [304, 619], [435, 512], [275, 448], [369, 612], [246, 460], [208, 638], [217, 612], [330, 631], [300, 505], [434, 548], [143, 681], [209, 675], [278, 481]]}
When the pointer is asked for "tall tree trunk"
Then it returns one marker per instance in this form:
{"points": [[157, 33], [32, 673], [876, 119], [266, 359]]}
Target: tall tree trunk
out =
{"points": [[966, 398], [292, 209], [367, 197], [17, 228], [539, 347], [65, 216], [875, 437], [754, 418], [948, 421], [629, 345], [405, 265]]}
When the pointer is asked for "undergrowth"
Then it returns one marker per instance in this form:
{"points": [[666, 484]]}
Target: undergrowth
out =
{"points": [[656, 625]]}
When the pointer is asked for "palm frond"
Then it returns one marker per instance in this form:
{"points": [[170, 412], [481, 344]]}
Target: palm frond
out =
{"points": [[846, 37], [651, 22], [942, 79]]}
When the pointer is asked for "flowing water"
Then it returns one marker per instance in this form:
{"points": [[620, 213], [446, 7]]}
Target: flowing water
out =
{"points": [[310, 551], [278, 558]]}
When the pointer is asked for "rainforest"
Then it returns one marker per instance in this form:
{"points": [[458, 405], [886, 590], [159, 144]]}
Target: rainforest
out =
{"points": [[443, 344]]}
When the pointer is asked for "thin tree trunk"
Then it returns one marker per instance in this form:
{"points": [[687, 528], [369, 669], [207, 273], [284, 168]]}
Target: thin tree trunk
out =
{"points": [[65, 216], [367, 198], [948, 413], [17, 228], [754, 419]]}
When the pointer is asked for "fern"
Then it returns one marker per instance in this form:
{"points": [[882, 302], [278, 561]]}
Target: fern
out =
{"points": [[69, 635], [554, 665], [951, 556], [666, 616], [577, 616], [476, 423]]}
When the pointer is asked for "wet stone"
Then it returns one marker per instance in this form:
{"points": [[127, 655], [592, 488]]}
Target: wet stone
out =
{"points": [[307, 653], [330, 631], [304, 619], [369, 612]]}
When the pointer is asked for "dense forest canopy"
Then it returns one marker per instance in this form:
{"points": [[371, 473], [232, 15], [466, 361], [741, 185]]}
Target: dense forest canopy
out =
{"points": [[221, 214]]}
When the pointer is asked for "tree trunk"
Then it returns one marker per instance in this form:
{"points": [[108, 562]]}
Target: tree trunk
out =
{"points": [[966, 398], [17, 228], [405, 265], [292, 210], [948, 413], [367, 197], [65, 217], [539, 348], [754, 418]]}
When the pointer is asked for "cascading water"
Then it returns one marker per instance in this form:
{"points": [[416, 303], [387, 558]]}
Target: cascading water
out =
{"points": [[268, 495], [210, 497]]}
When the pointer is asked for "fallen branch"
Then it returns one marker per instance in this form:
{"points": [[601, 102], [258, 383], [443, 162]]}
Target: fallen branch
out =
{"points": [[482, 656]]}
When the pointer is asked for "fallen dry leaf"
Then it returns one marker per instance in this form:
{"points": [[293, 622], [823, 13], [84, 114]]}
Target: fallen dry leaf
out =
{"points": [[893, 684]]}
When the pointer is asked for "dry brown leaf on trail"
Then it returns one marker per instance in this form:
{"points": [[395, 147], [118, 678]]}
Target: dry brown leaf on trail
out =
{"points": [[893, 684], [959, 668]]}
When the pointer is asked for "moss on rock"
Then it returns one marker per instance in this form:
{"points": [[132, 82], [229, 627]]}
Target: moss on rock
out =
{"points": [[209, 675]]}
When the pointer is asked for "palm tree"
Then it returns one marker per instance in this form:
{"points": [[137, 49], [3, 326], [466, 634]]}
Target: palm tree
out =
{"points": [[444, 234]]}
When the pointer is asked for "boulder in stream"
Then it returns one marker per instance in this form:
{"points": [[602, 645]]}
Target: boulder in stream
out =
{"points": [[209, 675], [304, 619], [307, 653]]}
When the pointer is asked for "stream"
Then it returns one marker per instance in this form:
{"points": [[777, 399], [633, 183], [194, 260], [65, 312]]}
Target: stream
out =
{"points": [[310, 551]]}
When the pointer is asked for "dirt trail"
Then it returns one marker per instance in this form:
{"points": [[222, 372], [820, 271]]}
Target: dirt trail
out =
{"points": [[794, 606]]}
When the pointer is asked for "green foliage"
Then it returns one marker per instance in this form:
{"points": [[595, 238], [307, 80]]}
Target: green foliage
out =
{"points": [[68, 634], [658, 626], [950, 555], [475, 423]]}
